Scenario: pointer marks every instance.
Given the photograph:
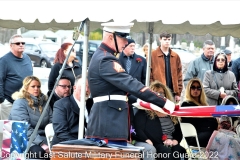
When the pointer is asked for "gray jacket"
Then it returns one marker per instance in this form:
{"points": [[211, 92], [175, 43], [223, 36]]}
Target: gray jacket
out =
{"points": [[214, 80], [197, 68], [22, 112]]}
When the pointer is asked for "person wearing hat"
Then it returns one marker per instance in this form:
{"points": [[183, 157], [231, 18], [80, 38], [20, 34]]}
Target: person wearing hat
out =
{"points": [[109, 84], [134, 64], [229, 57]]}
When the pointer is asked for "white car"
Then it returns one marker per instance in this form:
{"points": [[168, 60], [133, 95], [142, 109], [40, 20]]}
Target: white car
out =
{"points": [[3, 50]]}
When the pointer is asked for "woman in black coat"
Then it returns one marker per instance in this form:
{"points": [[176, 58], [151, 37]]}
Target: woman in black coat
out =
{"points": [[160, 130], [195, 96], [71, 70]]}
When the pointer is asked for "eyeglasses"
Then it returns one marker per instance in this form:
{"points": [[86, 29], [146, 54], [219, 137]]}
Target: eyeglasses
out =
{"points": [[196, 87], [65, 86], [18, 43], [220, 59]]}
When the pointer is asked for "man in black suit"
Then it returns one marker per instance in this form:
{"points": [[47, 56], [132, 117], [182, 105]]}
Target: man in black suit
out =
{"points": [[137, 65]]}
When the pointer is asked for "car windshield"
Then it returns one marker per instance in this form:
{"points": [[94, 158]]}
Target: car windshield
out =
{"points": [[49, 47]]}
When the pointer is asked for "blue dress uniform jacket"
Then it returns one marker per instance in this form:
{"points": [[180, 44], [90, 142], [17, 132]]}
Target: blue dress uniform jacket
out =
{"points": [[109, 119]]}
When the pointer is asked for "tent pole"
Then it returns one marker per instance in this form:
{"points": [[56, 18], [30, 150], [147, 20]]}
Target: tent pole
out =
{"points": [[84, 77], [150, 31], [51, 94]]}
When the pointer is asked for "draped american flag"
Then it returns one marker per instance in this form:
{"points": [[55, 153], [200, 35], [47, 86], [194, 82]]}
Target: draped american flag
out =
{"points": [[14, 140]]}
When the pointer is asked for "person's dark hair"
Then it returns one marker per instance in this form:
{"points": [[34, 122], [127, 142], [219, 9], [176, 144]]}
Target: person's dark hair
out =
{"points": [[225, 122], [215, 61], [208, 42], [165, 34], [64, 77], [60, 56], [77, 79]]}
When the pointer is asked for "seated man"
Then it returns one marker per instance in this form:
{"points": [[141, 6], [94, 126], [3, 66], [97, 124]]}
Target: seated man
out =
{"points": [[62, 90], [66, 114]]}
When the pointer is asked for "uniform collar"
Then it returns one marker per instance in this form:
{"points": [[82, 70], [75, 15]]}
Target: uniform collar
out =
{"points": [[107, 48]]}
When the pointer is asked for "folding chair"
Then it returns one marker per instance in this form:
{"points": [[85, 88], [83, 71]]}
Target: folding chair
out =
{"points": [[189, 130], [238, 130], [49, 132]]}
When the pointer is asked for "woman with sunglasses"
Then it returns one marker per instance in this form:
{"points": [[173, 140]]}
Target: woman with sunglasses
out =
{"points": [[160, 130], [195, 96], [72, 68], [28, 106], [220, 82]]}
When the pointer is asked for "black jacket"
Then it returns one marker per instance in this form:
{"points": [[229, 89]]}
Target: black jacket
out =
{"points": [[68, 72], [65, 120], [138, 67], [201, 124], [54, 98], [138, 71], [147, 128]]}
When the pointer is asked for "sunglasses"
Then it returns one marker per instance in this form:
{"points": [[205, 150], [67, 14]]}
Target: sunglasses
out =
{"points": [[18, 43], [162, 93], [196, 87], [65, 86], [220, 59]]}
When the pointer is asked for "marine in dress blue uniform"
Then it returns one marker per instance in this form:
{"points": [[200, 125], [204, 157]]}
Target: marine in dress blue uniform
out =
{"points": [[109, 84]]}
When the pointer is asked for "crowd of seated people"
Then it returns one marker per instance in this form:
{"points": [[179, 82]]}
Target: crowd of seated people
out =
{"points": [[159, 131]]}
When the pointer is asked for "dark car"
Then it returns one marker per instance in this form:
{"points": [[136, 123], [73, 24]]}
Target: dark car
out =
{"points": [[92, 47], [41, 54]]}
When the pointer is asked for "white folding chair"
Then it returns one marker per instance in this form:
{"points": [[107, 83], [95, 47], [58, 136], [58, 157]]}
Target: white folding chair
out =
{"points": [[49, 132], [188, 130], [238, 130]]}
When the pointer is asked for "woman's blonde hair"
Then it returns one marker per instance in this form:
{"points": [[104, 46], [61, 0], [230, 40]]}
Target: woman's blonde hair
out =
{"points": [[23, 93], [202, 98], [155, 86]]}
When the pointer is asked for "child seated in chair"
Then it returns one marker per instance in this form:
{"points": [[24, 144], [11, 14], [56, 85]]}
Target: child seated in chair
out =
{"points": [[224, 143]]}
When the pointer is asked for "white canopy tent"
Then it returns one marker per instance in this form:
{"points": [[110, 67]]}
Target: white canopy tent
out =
{"points": [[219, 18]]}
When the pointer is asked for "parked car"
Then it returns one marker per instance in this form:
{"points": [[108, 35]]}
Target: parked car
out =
{"points": [[3, 50], [41, 53], [92, 47], [185, 56]]}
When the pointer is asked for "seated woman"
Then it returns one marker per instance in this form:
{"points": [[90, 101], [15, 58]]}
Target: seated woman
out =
{"points": [[195, 96], [160, 130], [28, 106], [224, 143]]}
